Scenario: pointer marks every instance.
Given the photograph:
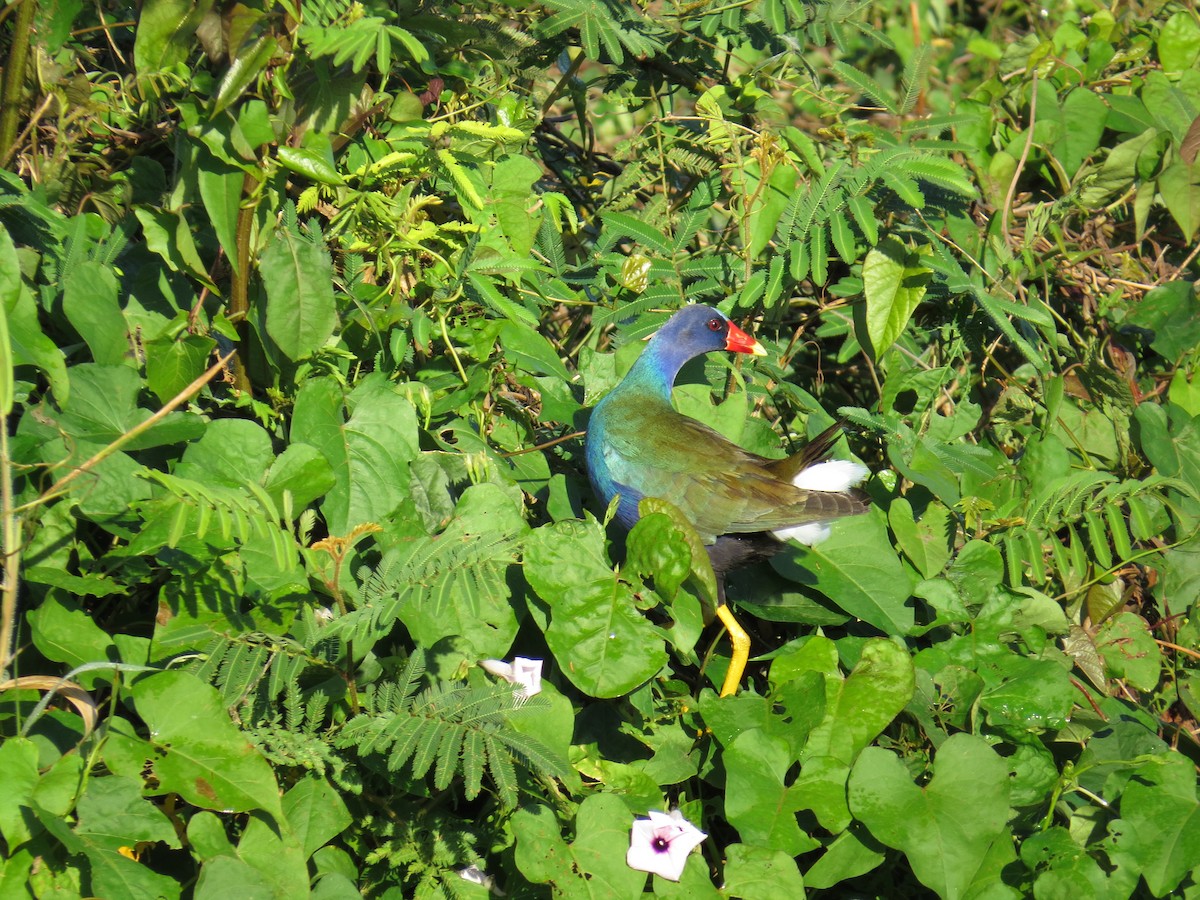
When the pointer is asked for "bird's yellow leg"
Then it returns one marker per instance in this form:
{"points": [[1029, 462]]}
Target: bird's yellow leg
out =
{"points": [[741, 651]]}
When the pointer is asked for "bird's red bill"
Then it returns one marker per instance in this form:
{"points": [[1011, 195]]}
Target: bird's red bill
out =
{"points": [[740, 342]]}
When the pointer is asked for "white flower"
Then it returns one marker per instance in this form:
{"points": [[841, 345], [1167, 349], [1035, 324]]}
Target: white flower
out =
{"points": [[661, 843], [476, 875], [521, 671]]}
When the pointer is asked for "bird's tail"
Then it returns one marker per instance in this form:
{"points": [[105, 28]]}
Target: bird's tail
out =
{"points": [[834, 478], [810, 454]]}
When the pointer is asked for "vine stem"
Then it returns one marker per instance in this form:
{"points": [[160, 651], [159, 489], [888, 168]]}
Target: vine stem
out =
{"points": [[239, 302], [14, 75]]}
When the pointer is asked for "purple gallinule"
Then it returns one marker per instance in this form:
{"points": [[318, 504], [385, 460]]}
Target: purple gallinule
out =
{"points": [[743, 506]]}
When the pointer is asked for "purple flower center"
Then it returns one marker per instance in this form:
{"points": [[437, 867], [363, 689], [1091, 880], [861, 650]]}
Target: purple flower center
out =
{"points": [[660, 844]]}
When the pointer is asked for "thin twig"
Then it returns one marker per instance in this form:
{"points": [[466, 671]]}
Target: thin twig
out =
{"points": [[12, 557], [1012, 186], [1192, 653], [1183, 265], [557, 440], [105, 452], [11, 516]]}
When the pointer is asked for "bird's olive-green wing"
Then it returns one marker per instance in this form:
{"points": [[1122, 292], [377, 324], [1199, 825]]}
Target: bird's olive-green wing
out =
{"points": [[723, 489]]}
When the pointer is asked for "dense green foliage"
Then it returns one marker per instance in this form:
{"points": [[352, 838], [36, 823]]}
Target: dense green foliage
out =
{"points": [[303, 309]]}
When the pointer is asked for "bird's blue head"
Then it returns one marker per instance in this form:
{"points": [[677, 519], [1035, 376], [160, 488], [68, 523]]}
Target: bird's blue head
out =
{"points": [[695, 330]]}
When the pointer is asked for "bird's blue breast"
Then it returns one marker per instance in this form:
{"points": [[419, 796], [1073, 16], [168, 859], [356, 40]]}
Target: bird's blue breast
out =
{"points": [[600, 473]]}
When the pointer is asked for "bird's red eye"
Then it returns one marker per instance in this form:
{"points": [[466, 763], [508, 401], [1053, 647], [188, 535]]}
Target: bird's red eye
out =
{"points": [[715, 324]]}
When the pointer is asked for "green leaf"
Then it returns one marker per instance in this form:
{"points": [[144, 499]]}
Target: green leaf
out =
{"points": [[1063, 867], [530, 350], [274, 850], [856, 712], [563, 555], [369, 454], [58, 789], [604, 645], [103, 407], [242, 71], [843, 237], [513, 178], [301, 313], [90, 304], [171, 365], [1120, 169], [201, 755], [1179, 185], [953, 830], [757, 873], [301, 470], [926, 543], [77, 585], [318, 167], [894, 283], [169, 235], [753, 289], [865, 84], [470, 599], [232, 452], [417, 51], [1027, 694], [818, 249], [774, 287], [221, 193], [1179, 43], [1081, 115], [115, 875], [847, 857], [773, 199], [1130, 651], [463, 176], [593, 865], [1034, 312], [30, 346], [701, 566], [18, 778], [113, 814], [164, 33], [228, 876], [10, 293], [864, 217], [757, 802], [1170, 104], [1160, 822], [657, 548], [999, 309], [484, 287], [906, 188], [620, 225], [65, 633], [857, 569]]}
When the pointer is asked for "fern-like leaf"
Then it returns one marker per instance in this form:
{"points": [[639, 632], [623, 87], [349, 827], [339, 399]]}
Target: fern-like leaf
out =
{"points": [[914, 77], [454, 729], [504, 775], [616, 26], [426, 581], [865, 84]]}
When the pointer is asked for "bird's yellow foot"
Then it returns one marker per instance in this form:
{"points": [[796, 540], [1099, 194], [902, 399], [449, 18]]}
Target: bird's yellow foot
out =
{"points": [[741, 650]]}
